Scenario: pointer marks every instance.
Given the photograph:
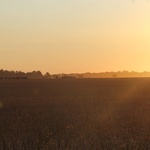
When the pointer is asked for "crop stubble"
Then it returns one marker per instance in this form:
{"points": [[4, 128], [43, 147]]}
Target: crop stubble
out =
{"points": [[75, 114]]}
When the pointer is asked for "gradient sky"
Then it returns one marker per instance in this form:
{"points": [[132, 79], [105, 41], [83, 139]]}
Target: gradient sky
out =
{"points": [[64, 36]]}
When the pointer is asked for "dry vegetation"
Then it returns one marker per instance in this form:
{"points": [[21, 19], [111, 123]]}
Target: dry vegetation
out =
{"points": [[73, 114]]}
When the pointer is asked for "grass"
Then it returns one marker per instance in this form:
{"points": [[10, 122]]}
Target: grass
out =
{"points": [[74, 114]]}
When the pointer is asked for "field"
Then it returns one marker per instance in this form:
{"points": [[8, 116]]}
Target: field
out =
{"points": [[75, 114]]}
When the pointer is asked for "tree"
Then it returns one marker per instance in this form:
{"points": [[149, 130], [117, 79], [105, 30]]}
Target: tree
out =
{"points": [[47, 76]]}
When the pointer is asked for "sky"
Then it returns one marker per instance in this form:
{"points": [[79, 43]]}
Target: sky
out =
{"points": [[75, 36]]}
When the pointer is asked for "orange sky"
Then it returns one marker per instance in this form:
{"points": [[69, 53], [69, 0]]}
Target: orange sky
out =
{"points": [[75, 36]]}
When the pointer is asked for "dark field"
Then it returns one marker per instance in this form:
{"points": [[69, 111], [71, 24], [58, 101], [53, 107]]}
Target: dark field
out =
{"points": [[75, 114]]}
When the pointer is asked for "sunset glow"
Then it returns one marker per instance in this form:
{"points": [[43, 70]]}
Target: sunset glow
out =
{"points": [[75, 36]]}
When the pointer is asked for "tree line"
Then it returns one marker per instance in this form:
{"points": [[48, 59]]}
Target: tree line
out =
{"points": [[5, 74]]}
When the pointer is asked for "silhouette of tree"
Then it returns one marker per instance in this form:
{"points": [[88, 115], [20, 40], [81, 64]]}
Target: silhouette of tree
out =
{"points": [[47, 76]]}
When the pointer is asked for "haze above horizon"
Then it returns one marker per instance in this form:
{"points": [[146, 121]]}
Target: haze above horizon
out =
{"points": [[75, 36]]}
